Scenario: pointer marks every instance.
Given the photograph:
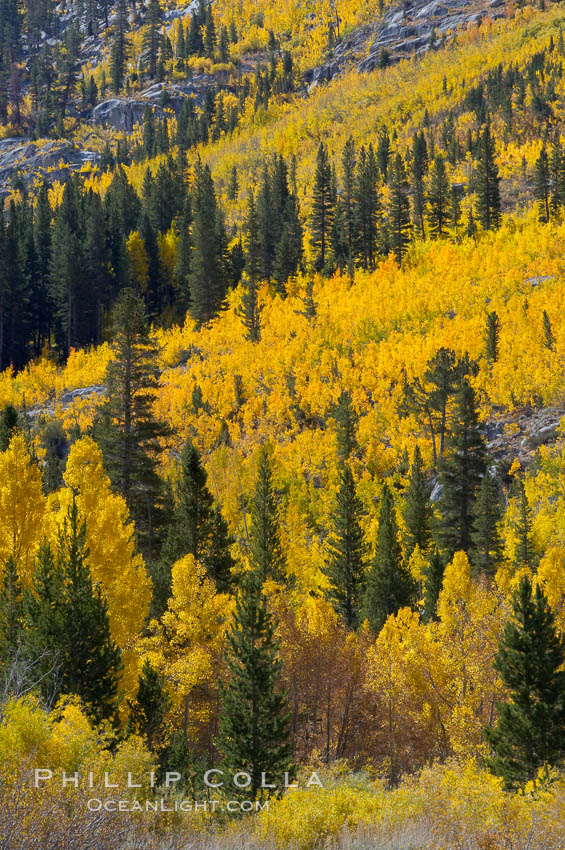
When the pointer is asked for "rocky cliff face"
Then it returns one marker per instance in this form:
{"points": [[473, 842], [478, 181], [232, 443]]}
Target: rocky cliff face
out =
{"points": [[26, 160], [124, 113], [408, 28]]}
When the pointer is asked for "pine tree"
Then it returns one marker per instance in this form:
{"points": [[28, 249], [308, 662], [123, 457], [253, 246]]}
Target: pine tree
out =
{"points": [[8, 425], [92, 662], [383, 153], [210, 36], [348, 165], [254, 721], [549, 336], [150, 706], [197, 528], [233, 186], [390, 585], [181, 44], [322, 207], [347, 553], [195, 42], [267, 554], [455, 208], [470, 225], [68, 623], [184, 257], [556, 172], [488, 202], [487, 542], [439, 199], [461, 471], [399, 209], [492, 336], [45, 622], [224, 45], [417, 508], [125, 427], [433, 585], [367, 208], [542, 192], [429, 400], [530, 730], [41, 300], [66, 253], [12, 614], [207, 277], [249, 311], [266, 224], [97, 270], [289, 248], [119, 49], [152, 38], [525, 555], [346, 419], [418, 170], [55, 444]]}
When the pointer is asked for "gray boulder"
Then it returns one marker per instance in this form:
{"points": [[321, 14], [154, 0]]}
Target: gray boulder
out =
{"points": [[119, 114], [53, 160]]}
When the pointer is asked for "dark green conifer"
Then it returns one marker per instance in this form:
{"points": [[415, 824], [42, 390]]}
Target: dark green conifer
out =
{"points": [[12, 615], [265, 538], [322, 207], [549, 336], [418, 170], [390, 585], [346, 419], [207, 277], [68, 623], [433, 585], [91, 661], [542, 192], [399, 209], [530, 731], [150, 706], [347, 553], [417, 508], [233, 185], [461, 470], [487, 542], [383, 153], [125, 428], [152, 38], [439, 199], [184, 257], [348, 163], [525, 555], [487, 178], [119, 49], [492, 336], [8, 425], [197, 528], [367, 208], [254, 721]]}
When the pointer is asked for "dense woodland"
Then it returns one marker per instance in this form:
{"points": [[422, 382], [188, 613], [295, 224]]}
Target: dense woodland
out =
{"points": [[298, 322]]}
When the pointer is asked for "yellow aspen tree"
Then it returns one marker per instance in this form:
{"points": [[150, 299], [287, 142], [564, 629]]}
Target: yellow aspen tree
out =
{"points": [[323, 674], [109, 536], [469, 632], [388, 676], [138, 259], [187, 644], [551, 575], [22, 507]]}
